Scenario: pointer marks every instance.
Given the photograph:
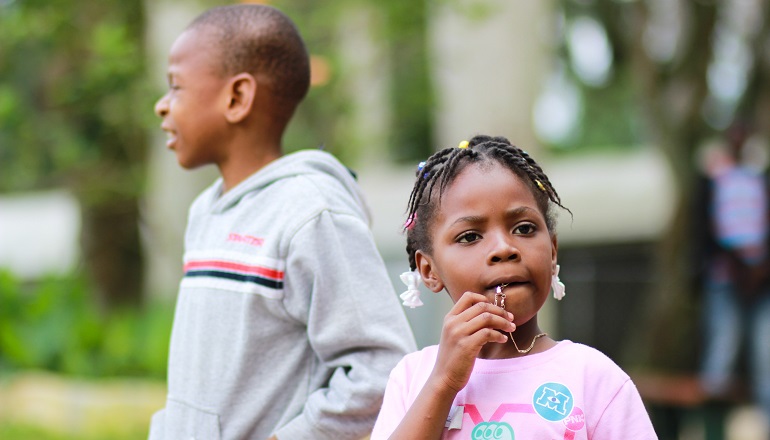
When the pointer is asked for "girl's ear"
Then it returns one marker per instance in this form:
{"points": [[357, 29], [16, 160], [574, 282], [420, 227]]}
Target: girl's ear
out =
{"points": [[240, 94], [427, 271], [554, 252]]}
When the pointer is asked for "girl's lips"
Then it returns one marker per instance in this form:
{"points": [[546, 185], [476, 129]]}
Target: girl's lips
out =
{"points": [[492, 290], [505, 284]]}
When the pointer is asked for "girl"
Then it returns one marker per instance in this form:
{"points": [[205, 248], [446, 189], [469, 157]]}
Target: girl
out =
{"points": [[481, 227]]}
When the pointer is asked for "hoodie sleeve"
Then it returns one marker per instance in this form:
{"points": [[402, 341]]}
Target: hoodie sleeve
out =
{"points": [[339, 287]]}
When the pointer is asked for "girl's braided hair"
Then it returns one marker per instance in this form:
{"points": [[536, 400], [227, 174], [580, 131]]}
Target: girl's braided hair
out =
{"points": [[445, 165]]}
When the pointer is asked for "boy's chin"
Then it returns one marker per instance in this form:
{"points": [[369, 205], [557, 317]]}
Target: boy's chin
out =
{"points": [[188, 164], [187, 161]]}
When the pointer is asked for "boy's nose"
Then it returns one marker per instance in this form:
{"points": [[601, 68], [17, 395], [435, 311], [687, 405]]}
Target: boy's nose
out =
{"points": [[504, 250], [161, 107]]}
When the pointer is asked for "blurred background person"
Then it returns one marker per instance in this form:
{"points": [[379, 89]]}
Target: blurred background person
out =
{"points": [[733, 241]]}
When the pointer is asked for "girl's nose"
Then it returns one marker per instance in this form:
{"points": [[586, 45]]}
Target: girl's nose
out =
{"points": [[161, 107], [504, 250]]}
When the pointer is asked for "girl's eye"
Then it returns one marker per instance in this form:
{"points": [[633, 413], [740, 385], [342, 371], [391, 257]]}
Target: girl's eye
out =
{"points": [[468, 237], [524, 229]]}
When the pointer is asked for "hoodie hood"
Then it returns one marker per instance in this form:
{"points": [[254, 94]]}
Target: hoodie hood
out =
{"points": [[305, 162]]}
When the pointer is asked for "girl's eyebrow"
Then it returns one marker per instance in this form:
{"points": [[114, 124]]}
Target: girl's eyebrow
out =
{"points": [[516, 212], [476, 219]]}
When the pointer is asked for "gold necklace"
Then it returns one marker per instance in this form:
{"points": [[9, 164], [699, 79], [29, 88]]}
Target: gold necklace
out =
{"points": [[500, 302], [531, 346]]}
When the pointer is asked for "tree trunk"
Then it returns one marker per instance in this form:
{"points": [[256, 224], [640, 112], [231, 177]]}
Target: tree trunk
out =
{"points": [[112, 255]]}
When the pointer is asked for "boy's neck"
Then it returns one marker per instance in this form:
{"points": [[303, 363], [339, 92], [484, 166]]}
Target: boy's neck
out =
{"points": [[246, 157], [256, 140]]}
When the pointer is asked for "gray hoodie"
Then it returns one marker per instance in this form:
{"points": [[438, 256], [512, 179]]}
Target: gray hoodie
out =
{"points": [[286, 322]]}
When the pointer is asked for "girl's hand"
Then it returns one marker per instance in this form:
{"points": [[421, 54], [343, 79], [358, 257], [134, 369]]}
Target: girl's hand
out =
{"points": [[472, 322]]}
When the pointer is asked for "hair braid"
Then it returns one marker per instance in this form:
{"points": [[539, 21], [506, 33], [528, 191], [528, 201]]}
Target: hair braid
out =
{"points": [[425, 177], [540, 175]]}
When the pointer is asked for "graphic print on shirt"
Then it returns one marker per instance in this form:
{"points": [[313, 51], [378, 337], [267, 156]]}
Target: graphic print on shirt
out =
{"points": [[246, 239], [553, 401], [492, 431], [235, 271], [576, 420], [495, 428]]}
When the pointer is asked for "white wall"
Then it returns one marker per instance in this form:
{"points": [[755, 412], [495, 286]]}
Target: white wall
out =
{"points": [[39, 233]]}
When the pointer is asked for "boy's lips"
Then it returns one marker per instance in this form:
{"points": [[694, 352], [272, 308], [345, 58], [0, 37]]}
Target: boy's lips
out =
{"points": [[171, 137], [170, 142]]}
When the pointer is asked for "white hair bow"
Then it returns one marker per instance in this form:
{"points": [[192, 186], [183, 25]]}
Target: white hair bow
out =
{"points": [[411, 296], [557, 285]]}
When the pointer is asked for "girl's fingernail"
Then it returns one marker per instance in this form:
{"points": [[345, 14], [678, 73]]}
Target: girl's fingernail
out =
{"points": [[510, 316]]}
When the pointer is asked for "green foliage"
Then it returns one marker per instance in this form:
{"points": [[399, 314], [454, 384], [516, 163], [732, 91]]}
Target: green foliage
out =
{"points": [[73, 111], [412, 92], [54, 325], [611, 118], [71, 81]]}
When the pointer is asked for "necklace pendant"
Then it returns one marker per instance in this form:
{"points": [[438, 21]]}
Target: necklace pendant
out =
{"points": [[500, 302], [499, 297]]}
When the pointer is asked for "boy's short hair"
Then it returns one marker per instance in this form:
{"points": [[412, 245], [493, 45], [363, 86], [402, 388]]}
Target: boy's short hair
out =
{"points": [[262, 41]]}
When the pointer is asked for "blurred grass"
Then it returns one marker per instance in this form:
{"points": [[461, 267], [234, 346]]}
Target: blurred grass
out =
{"points": [[70, 371], [16, 431]]}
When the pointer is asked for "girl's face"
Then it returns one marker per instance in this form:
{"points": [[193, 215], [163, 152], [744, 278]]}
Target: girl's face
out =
{"points": [[488, 231]]}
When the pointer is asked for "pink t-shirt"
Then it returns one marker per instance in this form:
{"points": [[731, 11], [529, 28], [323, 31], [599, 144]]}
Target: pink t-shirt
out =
{"points": [[570, 391]]}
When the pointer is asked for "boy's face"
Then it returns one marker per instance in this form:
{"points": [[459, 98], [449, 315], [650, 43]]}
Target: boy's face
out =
{"points": [[489, 231], [192, 108]]}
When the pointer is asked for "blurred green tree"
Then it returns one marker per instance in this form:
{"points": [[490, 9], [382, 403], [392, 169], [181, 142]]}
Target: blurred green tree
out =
{"points": [[694, 68], [73, 112], [401, 28]]}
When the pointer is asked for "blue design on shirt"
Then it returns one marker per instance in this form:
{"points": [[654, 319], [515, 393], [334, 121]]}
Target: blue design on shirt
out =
{"points": [[553, 401]]}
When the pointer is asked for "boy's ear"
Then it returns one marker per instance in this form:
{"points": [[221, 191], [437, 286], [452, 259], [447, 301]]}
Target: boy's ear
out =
{"points": [[426, 268], [241, 93]]}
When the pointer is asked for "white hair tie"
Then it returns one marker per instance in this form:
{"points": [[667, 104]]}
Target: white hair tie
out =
{"points": [[557, 285], [411, 296]]}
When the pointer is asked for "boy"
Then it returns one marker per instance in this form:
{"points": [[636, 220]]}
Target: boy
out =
{"points": [[286, 324]]}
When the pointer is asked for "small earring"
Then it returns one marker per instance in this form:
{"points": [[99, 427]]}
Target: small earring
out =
{"points": [[411, 296], [557, 285]]}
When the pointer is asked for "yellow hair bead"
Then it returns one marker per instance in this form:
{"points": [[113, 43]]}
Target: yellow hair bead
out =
{"points": [[540, 185], [463, 144]]}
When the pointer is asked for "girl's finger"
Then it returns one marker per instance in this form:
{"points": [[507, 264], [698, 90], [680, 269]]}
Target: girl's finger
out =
{"points": [[459, 328], [480, 314], [478, 304], [490, 319], [486, 335], [467, 300], [470, 299]]}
